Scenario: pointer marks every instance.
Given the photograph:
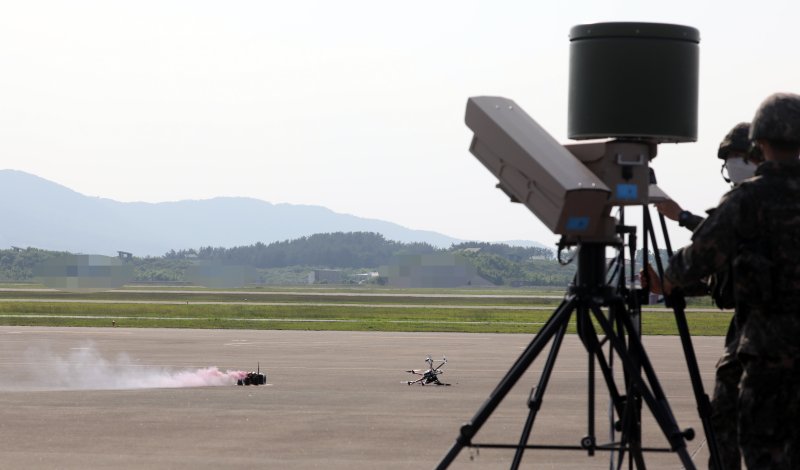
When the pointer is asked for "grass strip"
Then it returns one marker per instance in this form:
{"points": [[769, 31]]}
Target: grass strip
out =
{"points": [[322, 317]]}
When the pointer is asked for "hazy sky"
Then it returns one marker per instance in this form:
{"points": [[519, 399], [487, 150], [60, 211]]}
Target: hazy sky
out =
{"points": [[353, 105]]}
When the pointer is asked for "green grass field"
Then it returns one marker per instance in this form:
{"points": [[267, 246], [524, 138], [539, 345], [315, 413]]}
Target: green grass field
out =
{"points": [[314, 308]]}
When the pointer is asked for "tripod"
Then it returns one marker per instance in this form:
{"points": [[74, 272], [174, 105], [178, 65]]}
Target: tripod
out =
{"points": [[585, 297]]}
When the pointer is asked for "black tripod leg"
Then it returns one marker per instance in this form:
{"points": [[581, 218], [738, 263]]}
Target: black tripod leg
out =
{"points": [[584, 326], [625, 406], [552, 326], [593, 346], [703, 402], [678, 303], [591, 342], [631, 419], [535, 400], [655, 398]]}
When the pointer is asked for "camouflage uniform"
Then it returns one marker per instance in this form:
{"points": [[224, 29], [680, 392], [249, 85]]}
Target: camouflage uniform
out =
{"points": [[756, 227], [725, 397], [725, 401], [728, 373]]}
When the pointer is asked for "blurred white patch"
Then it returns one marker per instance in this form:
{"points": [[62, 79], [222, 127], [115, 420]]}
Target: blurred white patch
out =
{"points": [[84, 273], [220, 276]]}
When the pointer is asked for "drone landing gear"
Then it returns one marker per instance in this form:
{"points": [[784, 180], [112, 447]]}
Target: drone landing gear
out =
{"points": [[424, 382]]}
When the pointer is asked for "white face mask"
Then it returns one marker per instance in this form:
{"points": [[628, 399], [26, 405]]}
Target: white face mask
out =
{"points": [[739, 169]]}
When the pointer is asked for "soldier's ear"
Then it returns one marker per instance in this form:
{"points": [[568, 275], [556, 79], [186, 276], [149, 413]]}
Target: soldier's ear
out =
{"points": [[755, 154], [765, 147]]}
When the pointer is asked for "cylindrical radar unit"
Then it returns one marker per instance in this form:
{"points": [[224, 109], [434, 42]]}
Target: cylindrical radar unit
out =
{"points": [[633, 80]]}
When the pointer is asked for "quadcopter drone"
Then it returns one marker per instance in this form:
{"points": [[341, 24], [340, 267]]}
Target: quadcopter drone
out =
{"points": [[429, 376]]}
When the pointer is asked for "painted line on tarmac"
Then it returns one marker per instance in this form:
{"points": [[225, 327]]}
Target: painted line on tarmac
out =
{"points": [[281, 304], [324, 304], [259, 320], [318, 294]]}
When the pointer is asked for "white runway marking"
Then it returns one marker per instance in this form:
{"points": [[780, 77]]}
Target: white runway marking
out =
{"points": [[318, 294], [261, 320], [327, 304]]}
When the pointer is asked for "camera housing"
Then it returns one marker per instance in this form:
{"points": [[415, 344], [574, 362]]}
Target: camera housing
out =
{"points": [[534, 169]]}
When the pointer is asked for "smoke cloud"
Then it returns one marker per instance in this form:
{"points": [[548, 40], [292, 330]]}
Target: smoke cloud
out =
{"points": [[85, 368]]}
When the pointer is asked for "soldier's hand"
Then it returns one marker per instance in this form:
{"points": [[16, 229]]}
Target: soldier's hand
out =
{"points": [[670, 209], [649, 280], [666, 286]]}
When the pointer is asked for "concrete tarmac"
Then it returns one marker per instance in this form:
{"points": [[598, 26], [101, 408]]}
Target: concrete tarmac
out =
{"points": [[335, 400]]}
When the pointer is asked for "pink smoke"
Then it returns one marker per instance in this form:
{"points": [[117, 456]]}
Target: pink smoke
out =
{"points": [[85, 369], [208, 377]]}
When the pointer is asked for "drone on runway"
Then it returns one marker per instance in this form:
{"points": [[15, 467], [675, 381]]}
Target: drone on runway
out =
{"points": [[428, 376], [253, 378]]}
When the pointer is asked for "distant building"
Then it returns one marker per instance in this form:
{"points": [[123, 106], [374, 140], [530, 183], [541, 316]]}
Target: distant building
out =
{"points": [[325, 276], [362, 278], [435, 270]]}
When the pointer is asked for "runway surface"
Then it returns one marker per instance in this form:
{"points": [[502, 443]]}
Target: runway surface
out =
{"points": [[335, 400]]}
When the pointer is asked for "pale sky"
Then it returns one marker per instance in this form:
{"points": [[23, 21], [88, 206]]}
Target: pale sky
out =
{"points": [[357, 106]]}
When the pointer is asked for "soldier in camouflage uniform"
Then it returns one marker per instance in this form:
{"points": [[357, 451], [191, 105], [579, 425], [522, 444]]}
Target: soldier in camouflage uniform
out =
{"points": [[740, 161], [735, 148], [756, 227]]}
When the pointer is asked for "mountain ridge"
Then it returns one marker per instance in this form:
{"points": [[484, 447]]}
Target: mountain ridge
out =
{"points": [[44, 214]]}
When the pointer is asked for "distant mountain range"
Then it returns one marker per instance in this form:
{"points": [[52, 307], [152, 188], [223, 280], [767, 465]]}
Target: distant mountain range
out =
{"points": [[39, 213]]}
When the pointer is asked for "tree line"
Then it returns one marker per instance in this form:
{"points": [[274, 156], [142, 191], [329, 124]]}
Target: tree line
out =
{"points": [[498, 263], [344, 250]]}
